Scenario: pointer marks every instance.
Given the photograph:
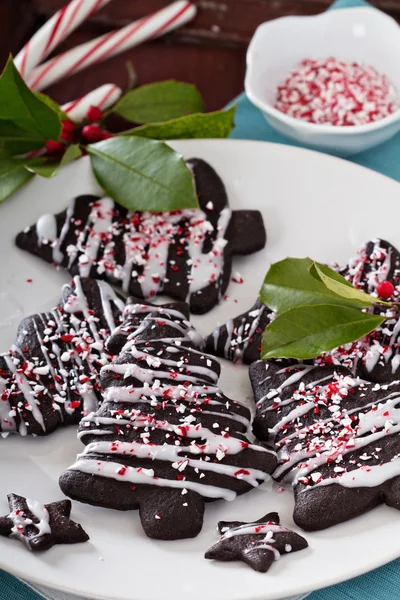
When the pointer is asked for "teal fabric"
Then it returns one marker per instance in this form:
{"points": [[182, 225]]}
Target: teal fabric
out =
{"points": [[12, 588], [383, 583]]}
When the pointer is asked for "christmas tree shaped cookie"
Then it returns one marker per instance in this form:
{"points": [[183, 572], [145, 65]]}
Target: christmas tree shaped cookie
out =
{"points": [[166, 440], [51, 375], [183, 254], [337, 438]]}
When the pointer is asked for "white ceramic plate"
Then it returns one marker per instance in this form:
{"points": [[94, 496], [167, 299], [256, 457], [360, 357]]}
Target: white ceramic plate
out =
{"points": [[312, 205]]}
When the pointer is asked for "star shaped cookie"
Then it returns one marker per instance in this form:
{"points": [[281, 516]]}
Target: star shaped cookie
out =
{"points": [[257, 544], [40, 526]]}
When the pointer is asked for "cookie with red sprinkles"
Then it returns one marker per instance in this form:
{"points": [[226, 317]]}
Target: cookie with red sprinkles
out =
{"points": [[134, 323], [40, 526], [376, 357], [337, 438], [239, 339], [51, 375], [185, 254], [257, 544], [166, 439]]}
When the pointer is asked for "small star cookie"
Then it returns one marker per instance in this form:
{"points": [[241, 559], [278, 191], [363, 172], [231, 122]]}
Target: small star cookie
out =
{"points": [[257, 544], [40, 526]]}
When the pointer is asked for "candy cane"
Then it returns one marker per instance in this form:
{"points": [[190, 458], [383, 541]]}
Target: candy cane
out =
{"points": [[53, 32], [103, 97], [112, 43]]}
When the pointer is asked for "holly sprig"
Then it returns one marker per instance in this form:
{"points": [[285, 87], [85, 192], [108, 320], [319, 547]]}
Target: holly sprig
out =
{"points": [[318, 309], [136, 168]]}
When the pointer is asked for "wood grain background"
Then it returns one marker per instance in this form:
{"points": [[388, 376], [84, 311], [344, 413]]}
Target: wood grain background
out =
{"points": [[210, 51]]}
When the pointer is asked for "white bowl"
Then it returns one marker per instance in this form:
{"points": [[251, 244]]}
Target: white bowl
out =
{"points": [[365, 35]]}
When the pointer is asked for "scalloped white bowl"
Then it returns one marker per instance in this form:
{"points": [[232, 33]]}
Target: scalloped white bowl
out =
{"points": [[366, 35]]}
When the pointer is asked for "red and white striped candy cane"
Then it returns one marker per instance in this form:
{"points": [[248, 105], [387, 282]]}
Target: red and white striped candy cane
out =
{"points": [[104, 97], [112, 43], [53, 32]]}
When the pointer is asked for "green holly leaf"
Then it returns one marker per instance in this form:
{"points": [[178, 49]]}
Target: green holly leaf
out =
{"points": [[217, 124], [13, 175], [49, 168], [159, 102], [142, 174], [51, 104], [23, 107], [305, 332], [15, 141], [289, 283], [339, 285]]}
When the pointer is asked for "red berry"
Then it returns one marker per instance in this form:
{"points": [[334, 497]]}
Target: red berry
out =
{"points": [[66, 136], [107, 135], [67, 131], [54, 147], [68, 126], [92, 133], [94, 114], [385, 289]]}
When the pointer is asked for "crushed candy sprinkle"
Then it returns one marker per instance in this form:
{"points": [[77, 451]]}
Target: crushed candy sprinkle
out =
{"points": [[333, 92]]}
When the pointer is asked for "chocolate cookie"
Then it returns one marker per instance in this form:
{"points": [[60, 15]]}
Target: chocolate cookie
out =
{"points": [[166, 439], [239, 339], [337, 439], [40, 526], [376, 356], [174, 315], [50, 377], [185, 254], [257, 544]]}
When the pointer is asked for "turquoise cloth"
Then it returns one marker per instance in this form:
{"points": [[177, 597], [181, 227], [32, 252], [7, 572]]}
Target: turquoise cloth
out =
{"points": [[383, 583]]}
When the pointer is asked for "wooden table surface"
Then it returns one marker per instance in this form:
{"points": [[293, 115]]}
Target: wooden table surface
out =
{"points": [[210, 51]]}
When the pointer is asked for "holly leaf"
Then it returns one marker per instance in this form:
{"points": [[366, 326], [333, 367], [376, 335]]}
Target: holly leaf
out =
{"points": [[142, 174], [13, 175], [305, 332], [15, 141], [217, 124], [289, 283], [49, 168], [51, 104], [159, 102], [339, 285], [22, 106]]}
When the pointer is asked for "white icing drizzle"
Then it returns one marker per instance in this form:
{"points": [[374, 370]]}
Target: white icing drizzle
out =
{"points": [[239, 335], [21, 522], [254, 529], [26, 390], [100, 218], [168, 381], [261, 546], [327, 441], [146, 239], [167, 452], [132, 475], [374, 351], [213, 442], [46, 229], [7, 422], [264, 530], [71, 347], [366, 476]]}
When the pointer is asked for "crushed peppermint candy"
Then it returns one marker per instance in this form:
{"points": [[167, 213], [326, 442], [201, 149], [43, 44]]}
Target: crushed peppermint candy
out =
{"points": [[333, 92]]}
